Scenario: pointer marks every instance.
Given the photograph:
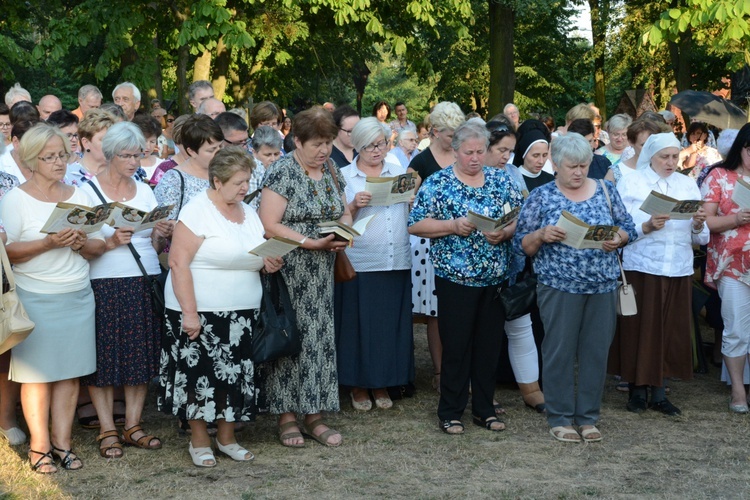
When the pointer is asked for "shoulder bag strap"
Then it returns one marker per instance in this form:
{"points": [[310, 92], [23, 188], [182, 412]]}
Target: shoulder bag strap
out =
{"points": [[135, 253], [609, 202], [332, 171], [182, 191], [7, 269]]}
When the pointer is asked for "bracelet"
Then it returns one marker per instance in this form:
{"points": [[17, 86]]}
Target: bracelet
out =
{"points": [[303, 241], [696, 231]]}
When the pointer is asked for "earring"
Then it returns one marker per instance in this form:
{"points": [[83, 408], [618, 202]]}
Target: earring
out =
{"points": [[88, 150]]}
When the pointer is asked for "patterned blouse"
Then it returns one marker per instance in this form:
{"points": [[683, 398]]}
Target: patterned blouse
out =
{"points": [[565, 268], [727, 251], [471, 260], [169, 190], [7, 182]]}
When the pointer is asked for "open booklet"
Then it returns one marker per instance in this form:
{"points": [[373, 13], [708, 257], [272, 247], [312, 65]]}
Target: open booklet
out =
{"points": [[87, 219], [658, 204], [275, 247], [741, 193], [581, 235], [391, 190], [90, 219], [343, 232], [125, 216], [488, 224]]}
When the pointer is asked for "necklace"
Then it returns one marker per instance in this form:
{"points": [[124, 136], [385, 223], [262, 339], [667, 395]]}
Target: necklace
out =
{"points": [[40, 190], [327, 201], [117, 189]]}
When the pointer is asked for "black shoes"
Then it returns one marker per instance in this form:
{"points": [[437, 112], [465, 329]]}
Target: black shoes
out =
{"points": [[666, 408], [637, 404]]}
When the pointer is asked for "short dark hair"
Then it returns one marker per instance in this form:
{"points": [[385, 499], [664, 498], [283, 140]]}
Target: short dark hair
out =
{"points": [[4, 110], [230, 122], [198, 130], [62, 118], [643, 125], [227, 162], [582, 126], [23, 126], [264, 111], [314, 123], [23, 111], [379, 105], [150, 126], [342, 112], [499, 130], [399, 103]]}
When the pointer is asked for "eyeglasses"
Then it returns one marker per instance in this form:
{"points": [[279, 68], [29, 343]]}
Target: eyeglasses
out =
{"points": [[49, 160], [379, 146], [244, 143], [72, 136], [136, 156], [170, 120], [347, 132], [5, 125]]}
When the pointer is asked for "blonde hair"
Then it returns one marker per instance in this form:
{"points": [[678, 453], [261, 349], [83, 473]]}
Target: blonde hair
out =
{"points": [[94, 121], [578, 112], [446, 115], [36, 139]]}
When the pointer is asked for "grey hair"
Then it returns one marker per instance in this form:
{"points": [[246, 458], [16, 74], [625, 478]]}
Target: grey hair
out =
{"points": [[195, 86], [619, 122], [84, 92], [121, 137], [471, 129], [571, 147], [446, 115], [403, 133], [266, 136], [14, 92], [667, 115], [136, 92], [508, 106], [367, 130]]}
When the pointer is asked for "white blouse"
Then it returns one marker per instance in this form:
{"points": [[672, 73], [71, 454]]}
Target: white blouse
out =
{"points": [[668, 251]]}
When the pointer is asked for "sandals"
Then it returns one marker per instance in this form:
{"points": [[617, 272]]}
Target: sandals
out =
{"points": [[323, 437], [92, 421], [116, 446], [590, 435], [490, 423], [565, 435], [202, 455], [499, 410], [452, 427], [68, 460], [35, 466], [383, 402], [235, 452], [143, 441], [290, 435]]}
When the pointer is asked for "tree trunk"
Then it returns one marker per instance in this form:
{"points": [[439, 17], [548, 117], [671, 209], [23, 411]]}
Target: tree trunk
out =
{"points": [[679, 53], [183, 57], [599, 14], [202, 67], [502, 69], [360, 82], [158, 83], [221, 68]]}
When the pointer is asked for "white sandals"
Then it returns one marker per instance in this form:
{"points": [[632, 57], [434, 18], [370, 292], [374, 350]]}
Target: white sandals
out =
{"points": [[235, 452], [202, 455]]}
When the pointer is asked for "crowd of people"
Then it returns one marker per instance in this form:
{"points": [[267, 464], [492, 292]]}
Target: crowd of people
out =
{"points": [[232, 179]]}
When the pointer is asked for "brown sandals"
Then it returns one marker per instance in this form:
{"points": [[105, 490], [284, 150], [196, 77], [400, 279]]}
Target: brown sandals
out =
{"points": [[143, 441], [117, 445]]}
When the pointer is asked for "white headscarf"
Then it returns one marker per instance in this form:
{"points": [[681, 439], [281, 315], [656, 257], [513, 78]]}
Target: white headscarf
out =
{"points": [[654, 144]]}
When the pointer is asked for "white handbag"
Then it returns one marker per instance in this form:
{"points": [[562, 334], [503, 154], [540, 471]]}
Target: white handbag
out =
{"points": [[15, 324]]}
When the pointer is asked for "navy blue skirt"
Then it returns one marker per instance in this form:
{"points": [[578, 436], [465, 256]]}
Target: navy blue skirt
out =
{"points": [[374, 341]]}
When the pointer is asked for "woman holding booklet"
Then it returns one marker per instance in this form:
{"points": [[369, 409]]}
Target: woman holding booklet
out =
{"points": [[300, 191], [52, 278], [374, 339], [728, 266], [655, 343], [213, 297], [128, 330], [469, 266], [577, 288]]}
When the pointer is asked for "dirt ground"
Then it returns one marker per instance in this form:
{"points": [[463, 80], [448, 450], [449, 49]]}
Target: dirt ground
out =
{"points": [[400, 453]]}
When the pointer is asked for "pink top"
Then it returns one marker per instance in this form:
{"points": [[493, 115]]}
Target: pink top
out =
{"points": [[726, 251]]}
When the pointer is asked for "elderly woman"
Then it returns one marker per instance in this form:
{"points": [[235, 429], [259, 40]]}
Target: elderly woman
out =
{"points": [[469, 266], [522, 351], [577, 291], [638, 132], [202, 138], [532, 150], [697, 155], [444, 119], [91, 132], [52, 278], [267, 145], [301, 190], [128, 331], [728, 267], [655, 343], [343, 152], [406, 146], [373, 333], [617, 130], [179, 155], [212, 300]]}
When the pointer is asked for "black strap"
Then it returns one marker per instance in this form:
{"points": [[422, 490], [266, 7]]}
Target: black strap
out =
{"points": [[182, 192], [135, 253]]}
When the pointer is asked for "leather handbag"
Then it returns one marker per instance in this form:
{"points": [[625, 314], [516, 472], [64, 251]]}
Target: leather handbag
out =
{"points": [[518, 298], [15, 325], [342, 266], [275, 335], [626, 305]]}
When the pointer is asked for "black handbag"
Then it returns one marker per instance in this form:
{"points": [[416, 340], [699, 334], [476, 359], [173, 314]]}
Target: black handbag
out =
{"points": [[518, 298], [276, 334]]}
